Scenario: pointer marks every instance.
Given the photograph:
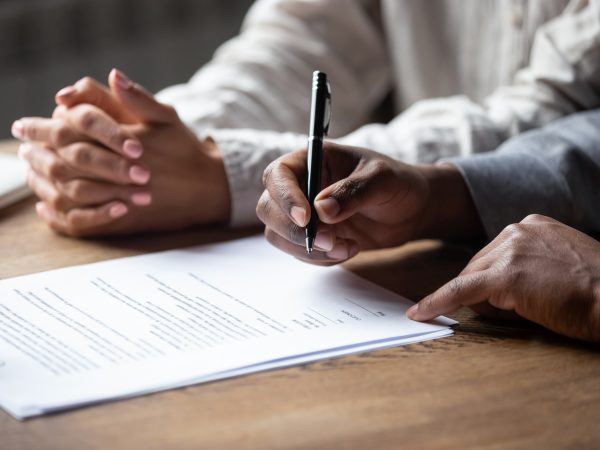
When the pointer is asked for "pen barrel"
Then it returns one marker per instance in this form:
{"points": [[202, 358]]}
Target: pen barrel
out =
{"points": [[313, 185], [319, 126]]}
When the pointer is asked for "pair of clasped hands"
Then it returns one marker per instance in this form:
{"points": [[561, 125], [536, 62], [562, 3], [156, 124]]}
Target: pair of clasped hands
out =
{"points": [[113, 160]]}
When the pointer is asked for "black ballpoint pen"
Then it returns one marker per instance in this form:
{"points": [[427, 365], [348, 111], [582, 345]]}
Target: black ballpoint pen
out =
{"points": [[320, 117]]}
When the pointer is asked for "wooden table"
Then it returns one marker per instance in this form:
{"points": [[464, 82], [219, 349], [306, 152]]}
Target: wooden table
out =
{"points": [[491, 386]]}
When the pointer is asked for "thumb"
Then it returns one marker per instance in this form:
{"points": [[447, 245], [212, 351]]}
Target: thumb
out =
{"points": [[88, 90], [362, 189], [139, 101]]}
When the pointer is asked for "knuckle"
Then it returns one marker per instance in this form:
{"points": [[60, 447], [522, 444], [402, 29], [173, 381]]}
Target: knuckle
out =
{"points": [[30, 130], [268, 173], [56, 201], [263, 208], [73, 225], [514, 230], [75, 190], [116, 137], [60, 134], [286, 198], [87, 118], [80, 155], [86, 83], [59, 112], [533, 219], [119, 167], [512, 260], [455, 286], [56, 169]]}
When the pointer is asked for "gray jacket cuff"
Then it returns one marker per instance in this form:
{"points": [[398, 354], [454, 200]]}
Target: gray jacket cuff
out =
{"points": [[554, 171], [507, 187]]}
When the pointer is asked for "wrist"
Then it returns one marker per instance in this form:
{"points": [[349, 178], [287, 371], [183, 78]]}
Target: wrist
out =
{"points": [[214, 202], [450, 212]]}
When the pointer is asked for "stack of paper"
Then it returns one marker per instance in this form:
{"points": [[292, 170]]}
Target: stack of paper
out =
{"points": [[13, 185], [126, 327]]}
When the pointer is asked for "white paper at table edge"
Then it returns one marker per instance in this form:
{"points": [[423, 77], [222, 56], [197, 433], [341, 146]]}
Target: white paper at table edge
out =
{"points": [[441, 321], [261, 367]]}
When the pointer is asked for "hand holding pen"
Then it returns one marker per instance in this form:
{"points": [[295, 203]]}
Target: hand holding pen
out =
{"points": [[367, 199]]}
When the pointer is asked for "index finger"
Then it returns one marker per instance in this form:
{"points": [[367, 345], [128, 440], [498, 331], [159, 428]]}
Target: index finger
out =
{"points": [[464, 290], [282, 180], [94, 123]]}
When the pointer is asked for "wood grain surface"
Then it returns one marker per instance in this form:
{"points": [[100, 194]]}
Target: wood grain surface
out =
{"points": [[494, 385]]}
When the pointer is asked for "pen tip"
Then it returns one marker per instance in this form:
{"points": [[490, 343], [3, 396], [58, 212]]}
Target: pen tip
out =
{"points": [[309, 245]]}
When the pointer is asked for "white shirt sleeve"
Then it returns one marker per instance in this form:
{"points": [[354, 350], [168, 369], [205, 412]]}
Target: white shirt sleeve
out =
{"points": [[259, 81]]}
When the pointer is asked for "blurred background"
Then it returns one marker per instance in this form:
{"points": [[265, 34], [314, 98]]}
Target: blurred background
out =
{"points": [[48, 44]]}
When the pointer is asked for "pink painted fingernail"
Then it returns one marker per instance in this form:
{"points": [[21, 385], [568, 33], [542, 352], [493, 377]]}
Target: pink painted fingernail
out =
{"points": [[139, 175], [133, 148], [328, 206], [324, 241], [141, 198], [339, 251], [123, 82], [118, 210], [17, 129], [65, 92], [299, 215], [412, 311]]}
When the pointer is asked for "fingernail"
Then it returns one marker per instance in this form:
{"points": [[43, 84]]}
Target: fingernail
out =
{"points": [[339, 251], [141, 198], [139, 175], [412, 311], [133, 148], [17, 129], [118, 210], [329, 207], [65, 92], [123, 82], [324, 241], [24, 149], [299, 215]]}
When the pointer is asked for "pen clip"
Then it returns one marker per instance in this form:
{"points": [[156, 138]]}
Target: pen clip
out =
{"points": [[327, 115]]}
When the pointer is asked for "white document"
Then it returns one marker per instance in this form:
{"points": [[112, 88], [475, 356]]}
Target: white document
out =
{"points": [[13, 185], [115, 329]]}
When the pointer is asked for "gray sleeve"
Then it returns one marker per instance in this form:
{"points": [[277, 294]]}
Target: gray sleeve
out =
{"points": [[554, 171]]}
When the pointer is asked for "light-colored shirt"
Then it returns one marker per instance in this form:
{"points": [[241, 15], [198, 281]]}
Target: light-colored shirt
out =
{"points": [[465, 76]]}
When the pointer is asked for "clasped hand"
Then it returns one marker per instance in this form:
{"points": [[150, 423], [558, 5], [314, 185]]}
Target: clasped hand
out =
{"points": [[117, 161]]}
